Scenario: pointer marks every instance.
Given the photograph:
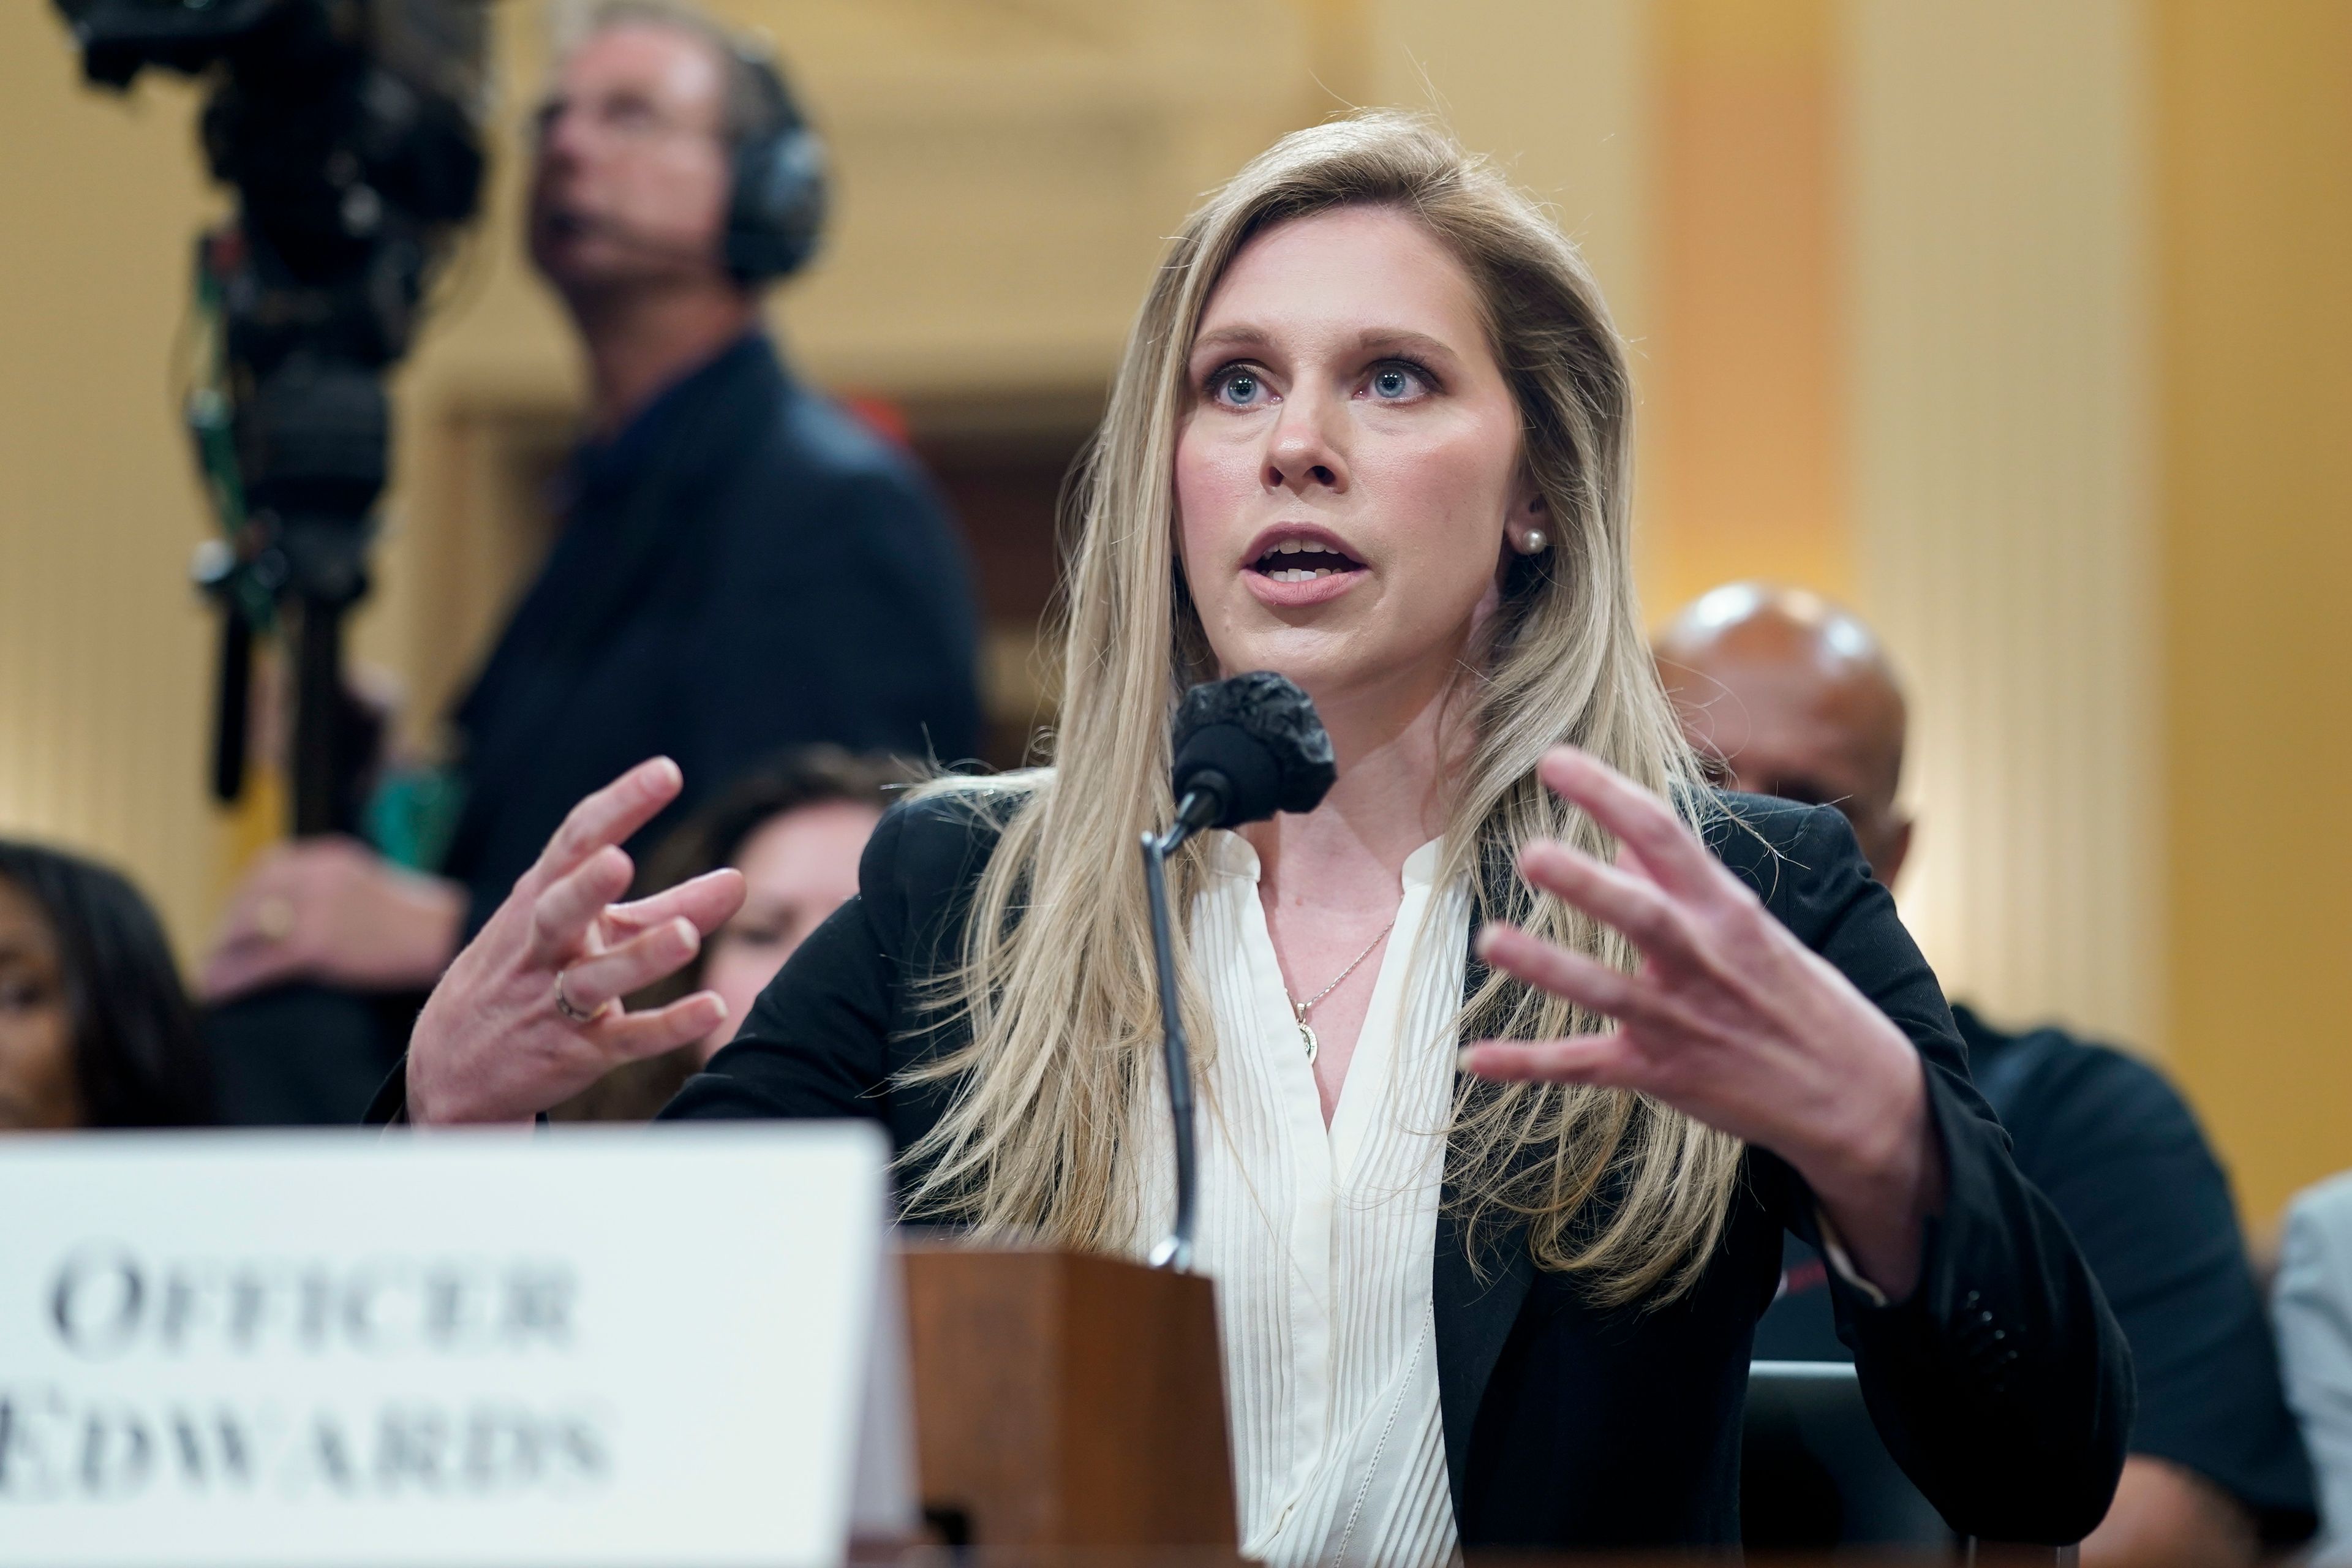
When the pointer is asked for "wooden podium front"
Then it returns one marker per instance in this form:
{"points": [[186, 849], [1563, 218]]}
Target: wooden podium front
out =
{"points": [[1068, 1400]]}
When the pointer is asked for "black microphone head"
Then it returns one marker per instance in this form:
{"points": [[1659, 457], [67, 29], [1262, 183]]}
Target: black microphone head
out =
{"points": [[1254, 742]]}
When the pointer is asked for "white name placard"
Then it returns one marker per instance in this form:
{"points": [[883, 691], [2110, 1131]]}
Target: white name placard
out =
{"points": [[675, 1346]]}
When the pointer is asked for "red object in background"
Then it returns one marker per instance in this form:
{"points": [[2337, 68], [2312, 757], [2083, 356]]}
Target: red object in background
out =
{"points": [[882, 415], [1812, 1274]]}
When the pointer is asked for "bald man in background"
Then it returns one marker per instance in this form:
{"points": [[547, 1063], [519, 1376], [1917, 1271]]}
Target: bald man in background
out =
{"points": [[1790, 695]]}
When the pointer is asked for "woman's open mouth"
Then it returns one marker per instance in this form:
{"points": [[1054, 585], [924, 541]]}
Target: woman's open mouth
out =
{"points": [[1296, 566], [1303, 560]]}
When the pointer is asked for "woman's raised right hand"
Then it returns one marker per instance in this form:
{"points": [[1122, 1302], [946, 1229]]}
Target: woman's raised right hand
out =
{"points": [[529, 1013]]}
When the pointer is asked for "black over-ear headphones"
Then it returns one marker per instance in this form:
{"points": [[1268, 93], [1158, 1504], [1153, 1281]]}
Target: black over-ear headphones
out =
{"points": [[776, 213]]}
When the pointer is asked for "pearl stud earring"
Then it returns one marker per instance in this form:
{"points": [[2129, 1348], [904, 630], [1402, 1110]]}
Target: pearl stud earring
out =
{"points": [[1533, 542]]}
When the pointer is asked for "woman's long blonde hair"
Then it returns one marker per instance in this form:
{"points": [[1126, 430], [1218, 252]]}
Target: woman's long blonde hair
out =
{"points": [[1056, 980]]}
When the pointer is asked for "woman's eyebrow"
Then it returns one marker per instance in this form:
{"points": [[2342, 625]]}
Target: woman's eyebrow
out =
{"points": [[1230, 338], [1404, 340], [1371, 340]]}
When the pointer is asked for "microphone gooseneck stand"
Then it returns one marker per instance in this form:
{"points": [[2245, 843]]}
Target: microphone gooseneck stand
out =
{"points": [[1245, 747], [1202, 806]]}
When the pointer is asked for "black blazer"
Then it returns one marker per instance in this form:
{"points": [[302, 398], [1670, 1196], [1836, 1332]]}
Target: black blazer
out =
{"points": [[745, 567], [2002, 1385]]}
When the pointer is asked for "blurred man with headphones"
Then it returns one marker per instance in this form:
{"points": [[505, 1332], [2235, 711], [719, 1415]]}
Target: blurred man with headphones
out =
{"points": [[742, 566]]}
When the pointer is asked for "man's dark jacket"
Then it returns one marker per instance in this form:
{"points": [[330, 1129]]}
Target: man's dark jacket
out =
{"points": [[2001, 1383], [2122, 1160], [745, 567]]}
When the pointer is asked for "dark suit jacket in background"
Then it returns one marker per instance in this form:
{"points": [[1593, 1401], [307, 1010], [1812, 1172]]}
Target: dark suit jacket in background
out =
{"points": [[2002, 1385], [745, 567]]}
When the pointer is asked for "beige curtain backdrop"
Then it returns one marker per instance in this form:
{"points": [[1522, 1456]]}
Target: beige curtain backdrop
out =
{"points": [[2004, 526]]}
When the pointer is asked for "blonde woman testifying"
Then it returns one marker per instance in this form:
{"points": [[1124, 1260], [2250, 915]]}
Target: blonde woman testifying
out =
{"points": [[1371, 431]]}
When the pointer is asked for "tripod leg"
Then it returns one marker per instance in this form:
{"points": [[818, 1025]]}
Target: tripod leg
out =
{"points": [[232, 706], [318, 746]]}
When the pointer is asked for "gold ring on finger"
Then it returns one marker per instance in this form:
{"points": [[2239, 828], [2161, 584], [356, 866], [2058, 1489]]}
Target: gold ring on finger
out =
{"points": [[563, 1004]]}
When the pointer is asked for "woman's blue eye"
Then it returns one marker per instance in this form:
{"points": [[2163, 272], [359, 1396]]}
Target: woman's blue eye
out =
{"points": [[1237, 387]]}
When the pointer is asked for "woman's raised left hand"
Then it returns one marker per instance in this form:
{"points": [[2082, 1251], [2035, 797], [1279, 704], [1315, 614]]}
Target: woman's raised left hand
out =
{"points": [[1728, 1019]]}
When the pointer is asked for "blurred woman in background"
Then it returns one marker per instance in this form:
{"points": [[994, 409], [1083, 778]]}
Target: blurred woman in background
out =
{"points": [[95, 1030]]}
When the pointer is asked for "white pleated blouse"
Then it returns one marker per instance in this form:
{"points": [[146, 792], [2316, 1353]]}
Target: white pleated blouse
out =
{"points": [[1321, 1240]]}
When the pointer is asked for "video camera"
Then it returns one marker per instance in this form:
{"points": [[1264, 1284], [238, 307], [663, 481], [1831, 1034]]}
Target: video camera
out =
{"points": [[352, 132]]}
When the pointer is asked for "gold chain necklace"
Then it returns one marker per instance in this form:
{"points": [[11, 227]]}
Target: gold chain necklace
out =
{"points": [[1306, 1034]]}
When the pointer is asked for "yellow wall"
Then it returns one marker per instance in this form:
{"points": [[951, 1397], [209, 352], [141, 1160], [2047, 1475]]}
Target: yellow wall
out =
{"points": [[104, 655], [1562, 96], [1747, 453], [2255, 145], [2004, 525]]}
